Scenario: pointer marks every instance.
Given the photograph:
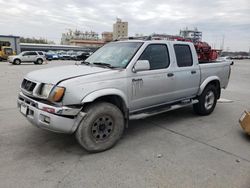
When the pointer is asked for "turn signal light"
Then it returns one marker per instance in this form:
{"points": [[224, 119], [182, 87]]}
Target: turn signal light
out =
{"points": [[58, 94]]}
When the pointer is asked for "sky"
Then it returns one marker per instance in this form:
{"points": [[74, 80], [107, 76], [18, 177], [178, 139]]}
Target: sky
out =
{"points": [[217, 19]]}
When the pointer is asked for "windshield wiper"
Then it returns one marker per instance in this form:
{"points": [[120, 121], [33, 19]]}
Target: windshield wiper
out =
{"points": [[85, 63], [104, 64]]}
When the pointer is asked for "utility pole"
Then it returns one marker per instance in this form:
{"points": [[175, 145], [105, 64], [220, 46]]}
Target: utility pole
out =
{"points": [[222, 43]]}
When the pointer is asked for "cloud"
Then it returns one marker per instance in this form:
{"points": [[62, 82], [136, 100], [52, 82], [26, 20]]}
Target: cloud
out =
{"points": [[45, 18]]}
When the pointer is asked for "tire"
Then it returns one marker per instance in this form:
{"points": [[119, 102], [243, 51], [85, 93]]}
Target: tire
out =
{"points": [[17, 62], [38, 61], [207, 101], [101, 128]]}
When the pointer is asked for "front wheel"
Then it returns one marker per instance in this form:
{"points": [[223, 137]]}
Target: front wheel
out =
{"points": [[101, 128], [17, 62], [207, 101]]}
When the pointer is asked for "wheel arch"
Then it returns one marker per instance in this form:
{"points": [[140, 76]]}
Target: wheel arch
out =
{"points": [[213, 80], [113, 96], [17, 59]]}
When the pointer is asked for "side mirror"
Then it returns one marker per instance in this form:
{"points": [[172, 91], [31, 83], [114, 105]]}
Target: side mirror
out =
{"points": [[141, 65]]}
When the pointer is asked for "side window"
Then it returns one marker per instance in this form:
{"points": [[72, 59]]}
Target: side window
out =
{"points": [[157, 55], [33, 53], [40, 53], [29, 53], [183, 55]]}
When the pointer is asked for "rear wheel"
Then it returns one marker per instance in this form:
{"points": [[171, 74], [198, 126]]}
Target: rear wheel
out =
{"points": [[207, 101], [101, 128], [39, 61], [17, 62]]}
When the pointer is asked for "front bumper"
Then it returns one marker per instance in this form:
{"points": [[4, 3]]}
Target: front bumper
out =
{"points": [[58, 119], [10, 60]]}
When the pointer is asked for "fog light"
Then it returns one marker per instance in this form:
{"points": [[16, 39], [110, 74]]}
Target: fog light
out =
{"points": [[45, 119]]}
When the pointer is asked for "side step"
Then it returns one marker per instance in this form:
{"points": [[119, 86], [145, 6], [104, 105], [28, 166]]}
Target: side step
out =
{"points": [[159, 110]]}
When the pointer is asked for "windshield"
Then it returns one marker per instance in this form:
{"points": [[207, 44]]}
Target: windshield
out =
{"points": [[8, 51], [116, 54]]}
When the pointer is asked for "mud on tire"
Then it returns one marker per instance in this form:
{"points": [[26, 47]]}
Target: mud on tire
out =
{"points": [[101, 128]]}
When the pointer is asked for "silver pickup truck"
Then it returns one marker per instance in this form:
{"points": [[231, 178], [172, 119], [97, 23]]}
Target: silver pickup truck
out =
{"points": [[121, 81]]}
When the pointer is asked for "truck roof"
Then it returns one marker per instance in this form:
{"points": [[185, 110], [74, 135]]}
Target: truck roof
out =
{"points": [[157, 41]]}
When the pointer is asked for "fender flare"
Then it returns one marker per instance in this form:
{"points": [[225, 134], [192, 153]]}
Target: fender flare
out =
{"points": [[206, 82], [104, 92]]}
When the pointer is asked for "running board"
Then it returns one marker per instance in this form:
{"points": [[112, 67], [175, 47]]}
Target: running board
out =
{"points": [[160, 110]]}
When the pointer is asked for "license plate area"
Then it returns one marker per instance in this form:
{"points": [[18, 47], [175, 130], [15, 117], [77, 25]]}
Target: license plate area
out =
{"points": [[23, 109]]}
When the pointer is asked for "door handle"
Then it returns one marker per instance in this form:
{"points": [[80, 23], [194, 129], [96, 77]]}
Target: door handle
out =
{"points": [[193, 72], [170, 74]]}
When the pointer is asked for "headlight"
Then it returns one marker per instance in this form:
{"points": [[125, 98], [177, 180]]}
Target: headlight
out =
{"points": [[56, 94], [46, 88], [52, 92]]}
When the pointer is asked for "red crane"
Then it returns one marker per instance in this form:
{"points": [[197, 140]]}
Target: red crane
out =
{"points": [[204, 50]]}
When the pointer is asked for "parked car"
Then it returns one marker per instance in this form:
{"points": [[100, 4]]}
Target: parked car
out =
{"points": [[226, 58], [73, 55], [28, 57], [121, 81], [65, 56], [82, 56], [51, 56]]}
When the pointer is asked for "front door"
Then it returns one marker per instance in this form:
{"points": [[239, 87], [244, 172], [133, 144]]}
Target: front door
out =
{"points": [[154, 86], [29, 56]]}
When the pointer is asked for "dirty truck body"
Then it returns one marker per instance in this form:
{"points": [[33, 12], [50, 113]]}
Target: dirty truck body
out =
{"points": [[120, 81]]}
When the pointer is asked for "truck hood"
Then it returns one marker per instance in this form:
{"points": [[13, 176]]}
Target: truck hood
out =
{"points": [[57, 74]]}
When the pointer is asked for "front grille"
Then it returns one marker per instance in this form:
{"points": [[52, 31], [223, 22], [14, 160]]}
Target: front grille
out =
{"points": [[28, 85], [26, 101]]}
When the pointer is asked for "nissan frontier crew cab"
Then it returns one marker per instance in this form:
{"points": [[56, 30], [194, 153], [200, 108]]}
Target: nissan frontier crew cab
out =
{"points": [[121, 81]]}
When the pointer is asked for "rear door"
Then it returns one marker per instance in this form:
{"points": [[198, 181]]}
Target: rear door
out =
{"points": [[187, 71], [33, 56], [29, 56], [154, 86]]}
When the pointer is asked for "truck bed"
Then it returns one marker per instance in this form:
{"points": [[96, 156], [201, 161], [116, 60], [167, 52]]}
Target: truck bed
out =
{"points": [[221, 69]]}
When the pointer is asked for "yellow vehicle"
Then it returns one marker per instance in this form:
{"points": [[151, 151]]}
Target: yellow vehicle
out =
{"points": [[5, 50]]}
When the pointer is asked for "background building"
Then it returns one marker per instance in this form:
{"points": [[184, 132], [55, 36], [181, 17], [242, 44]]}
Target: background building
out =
{"points": [[87, 43], [107, 36], [78, 35], [194, 34], [82, 38], [120, 29], [53, 47], [13, 40]]}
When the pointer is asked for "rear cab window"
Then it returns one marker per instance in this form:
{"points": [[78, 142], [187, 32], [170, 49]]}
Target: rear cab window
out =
{"points": [[183, 55], [157, 55]]}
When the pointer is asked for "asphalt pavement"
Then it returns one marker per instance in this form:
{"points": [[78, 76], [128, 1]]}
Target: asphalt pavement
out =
{"points": [[174, 149]]}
